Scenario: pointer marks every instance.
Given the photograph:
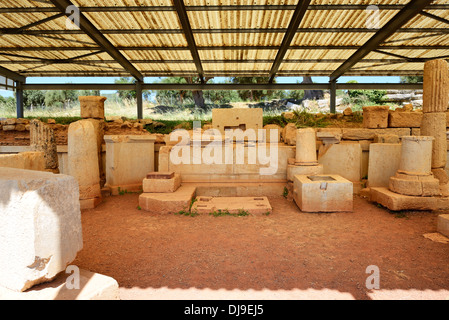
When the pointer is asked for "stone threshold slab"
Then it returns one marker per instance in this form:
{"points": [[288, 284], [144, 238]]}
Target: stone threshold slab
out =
{"points": [[233, 205]]}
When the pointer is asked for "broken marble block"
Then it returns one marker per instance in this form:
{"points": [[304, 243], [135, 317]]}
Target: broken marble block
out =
{"points": [[40, 226]]}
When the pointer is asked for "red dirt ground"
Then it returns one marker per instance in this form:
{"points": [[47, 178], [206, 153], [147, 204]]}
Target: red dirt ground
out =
{"points": [[286, 250]]}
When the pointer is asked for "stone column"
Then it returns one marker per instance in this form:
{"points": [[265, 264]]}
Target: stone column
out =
{"points": [[435, 104], [83, 161], [436, 86], [42, 139], [306, 147], [414, 176], [305, 162]]}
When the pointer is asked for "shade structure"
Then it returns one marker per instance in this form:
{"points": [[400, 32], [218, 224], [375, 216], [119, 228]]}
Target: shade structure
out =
{"points": [[220, 38]]}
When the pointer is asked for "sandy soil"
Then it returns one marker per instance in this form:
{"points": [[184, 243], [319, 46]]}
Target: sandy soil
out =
{"points": [[285, 251]]}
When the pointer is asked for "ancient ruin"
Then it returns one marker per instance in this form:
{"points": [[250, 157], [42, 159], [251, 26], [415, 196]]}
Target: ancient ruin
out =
{"points": [[247, 187]]}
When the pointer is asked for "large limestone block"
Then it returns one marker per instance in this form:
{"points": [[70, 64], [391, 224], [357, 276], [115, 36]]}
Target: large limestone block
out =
{"points": [[436, 86], [434, 125], [277, 130], [443, 224], [323, 193], [344, 159], [83, 161], [383, 163], [399, 119], [289, 134], [306, 147], [92, 107], [129, 158], [397, 202], [40, 226], [375, 117], [162, 185], [30, 160], [370, 134], [164, 203], [237, 118], [293, 170]]}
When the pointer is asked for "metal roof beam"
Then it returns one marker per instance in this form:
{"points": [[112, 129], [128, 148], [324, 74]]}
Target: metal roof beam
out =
{"points": [[11, 75], [185, 23], [227, 86], [215, 8], [143, 48], [297, 17], [218, 31], [99, 38], [413, 8]]}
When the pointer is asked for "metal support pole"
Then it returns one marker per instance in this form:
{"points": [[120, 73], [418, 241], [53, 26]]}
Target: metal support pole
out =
{"points": [[139, 97], [333, 97], [19, 99]]}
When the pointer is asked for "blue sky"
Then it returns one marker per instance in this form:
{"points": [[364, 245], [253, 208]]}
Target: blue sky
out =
{"points": [[216, 80]]}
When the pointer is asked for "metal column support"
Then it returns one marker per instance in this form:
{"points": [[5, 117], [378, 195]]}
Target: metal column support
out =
{"points": [[333, 97], [139, 97], [19, 100]]}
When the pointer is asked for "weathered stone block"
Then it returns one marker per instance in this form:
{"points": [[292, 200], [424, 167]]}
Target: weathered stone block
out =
{"points": [[398, 202], [386, 138], [128, 160], [233, 205], [293, 170], [289, 134], [40, 226], [93, 286], [25, 160], [7, 127], [277, 130], [162, 185], [164, 203], [323, 193], [344, 159], [237, 118], [384, 161], [370, 134], [443, 224], [92, 107], [399, 119], [375, 117]]}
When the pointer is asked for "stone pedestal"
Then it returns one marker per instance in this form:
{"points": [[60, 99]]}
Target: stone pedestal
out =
{"points": [[83, 160], [414, 176], [40, 226], [129, 158], [323, 193], [92, 107]]}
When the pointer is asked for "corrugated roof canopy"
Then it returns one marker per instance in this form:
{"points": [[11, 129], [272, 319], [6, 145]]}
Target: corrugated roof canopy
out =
{"points": [[211, 38]]}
